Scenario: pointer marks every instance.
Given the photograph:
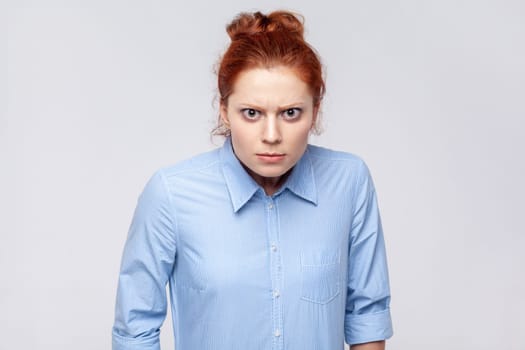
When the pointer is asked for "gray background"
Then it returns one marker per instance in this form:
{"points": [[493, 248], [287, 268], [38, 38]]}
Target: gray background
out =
{"points": [[99, 94]]}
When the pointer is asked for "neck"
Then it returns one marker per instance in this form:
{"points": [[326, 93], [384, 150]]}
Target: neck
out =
{"points": [[270, 185]]}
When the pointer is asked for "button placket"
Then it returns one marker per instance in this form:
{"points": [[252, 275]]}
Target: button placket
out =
{"points": [[276, 274]]}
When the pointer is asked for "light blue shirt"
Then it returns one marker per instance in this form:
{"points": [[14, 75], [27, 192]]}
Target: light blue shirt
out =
{"points": [[302, 269]]}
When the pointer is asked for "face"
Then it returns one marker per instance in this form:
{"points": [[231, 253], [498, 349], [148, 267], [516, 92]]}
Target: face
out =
{"points": [[270, 114]]}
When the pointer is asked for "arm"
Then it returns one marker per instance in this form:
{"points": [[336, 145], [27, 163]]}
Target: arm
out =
{"points": [[367, 314], [376, 345], [147, 263]]}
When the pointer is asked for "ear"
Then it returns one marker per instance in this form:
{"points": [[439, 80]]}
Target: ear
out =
{"points": [[224, 114], [315, 114]]}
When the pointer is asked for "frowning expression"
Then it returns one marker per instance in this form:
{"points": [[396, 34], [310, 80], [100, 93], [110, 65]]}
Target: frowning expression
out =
{"points": [[270, 114]]}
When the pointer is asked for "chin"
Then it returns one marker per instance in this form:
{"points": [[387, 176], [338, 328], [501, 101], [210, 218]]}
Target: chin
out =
{"points": [[272, 172]]}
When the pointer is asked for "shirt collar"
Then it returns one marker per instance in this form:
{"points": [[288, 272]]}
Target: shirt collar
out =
{"points": [[242, 186], [301, 181]]}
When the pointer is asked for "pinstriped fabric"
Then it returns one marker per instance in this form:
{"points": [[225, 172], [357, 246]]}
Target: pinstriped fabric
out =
{"points": [[302, 269]]}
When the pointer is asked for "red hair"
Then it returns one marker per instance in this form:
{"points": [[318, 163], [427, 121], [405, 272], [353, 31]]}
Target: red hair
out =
{"points": [[265, 41]]}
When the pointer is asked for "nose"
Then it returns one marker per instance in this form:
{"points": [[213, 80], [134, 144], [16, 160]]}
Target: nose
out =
{"points": [[271, 132]]}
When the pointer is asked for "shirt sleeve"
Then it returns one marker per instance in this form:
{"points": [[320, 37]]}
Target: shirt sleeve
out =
{"points": [[367, 314], [147, 262]]}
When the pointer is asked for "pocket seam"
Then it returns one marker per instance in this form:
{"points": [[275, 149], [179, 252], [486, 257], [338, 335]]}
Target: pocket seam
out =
{"points": [[334, 263]]}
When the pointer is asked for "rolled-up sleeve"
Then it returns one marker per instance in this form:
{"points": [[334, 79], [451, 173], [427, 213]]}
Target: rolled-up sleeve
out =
{"points": [[147, 262], [367, 314]]}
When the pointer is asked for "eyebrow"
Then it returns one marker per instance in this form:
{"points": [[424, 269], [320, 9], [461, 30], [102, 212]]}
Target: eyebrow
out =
{"points": [[287, 106]]}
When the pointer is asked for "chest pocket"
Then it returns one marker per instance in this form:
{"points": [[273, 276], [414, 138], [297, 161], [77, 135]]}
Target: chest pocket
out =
{"points": [[320, 276]]}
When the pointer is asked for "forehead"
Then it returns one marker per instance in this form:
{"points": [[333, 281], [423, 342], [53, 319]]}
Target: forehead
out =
{"points": [[280, 85]]}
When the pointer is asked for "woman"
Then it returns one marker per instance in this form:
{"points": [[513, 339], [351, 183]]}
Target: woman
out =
{"points": [[266, 242]]}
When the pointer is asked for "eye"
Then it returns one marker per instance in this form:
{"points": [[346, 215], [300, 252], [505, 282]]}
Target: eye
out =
{"points": [[250, 113], [292, 113]]}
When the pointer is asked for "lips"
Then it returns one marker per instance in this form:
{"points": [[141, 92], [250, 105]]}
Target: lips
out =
{"points": [[271, 154], [271, 157]]}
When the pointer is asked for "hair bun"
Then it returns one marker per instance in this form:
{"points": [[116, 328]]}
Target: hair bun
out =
{"points": [[254, 23]]}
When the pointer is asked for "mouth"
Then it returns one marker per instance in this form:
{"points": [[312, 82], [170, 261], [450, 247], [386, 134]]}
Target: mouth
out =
{"points": [[271, 154], [271, 157]]}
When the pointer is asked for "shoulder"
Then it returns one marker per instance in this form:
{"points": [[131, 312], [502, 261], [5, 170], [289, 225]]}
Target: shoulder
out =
{"points": [[345, 170], [189, 170], [325, 157], [201, 163]]}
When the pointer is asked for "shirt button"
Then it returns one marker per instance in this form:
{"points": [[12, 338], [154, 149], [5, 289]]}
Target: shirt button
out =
{"points": [[277, 333], [276, 293], [274, 247], [270, 206]]}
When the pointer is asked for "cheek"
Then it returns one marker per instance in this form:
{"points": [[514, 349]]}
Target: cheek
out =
{"points": [[242, 134], [300, 135], [242, 140]]}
